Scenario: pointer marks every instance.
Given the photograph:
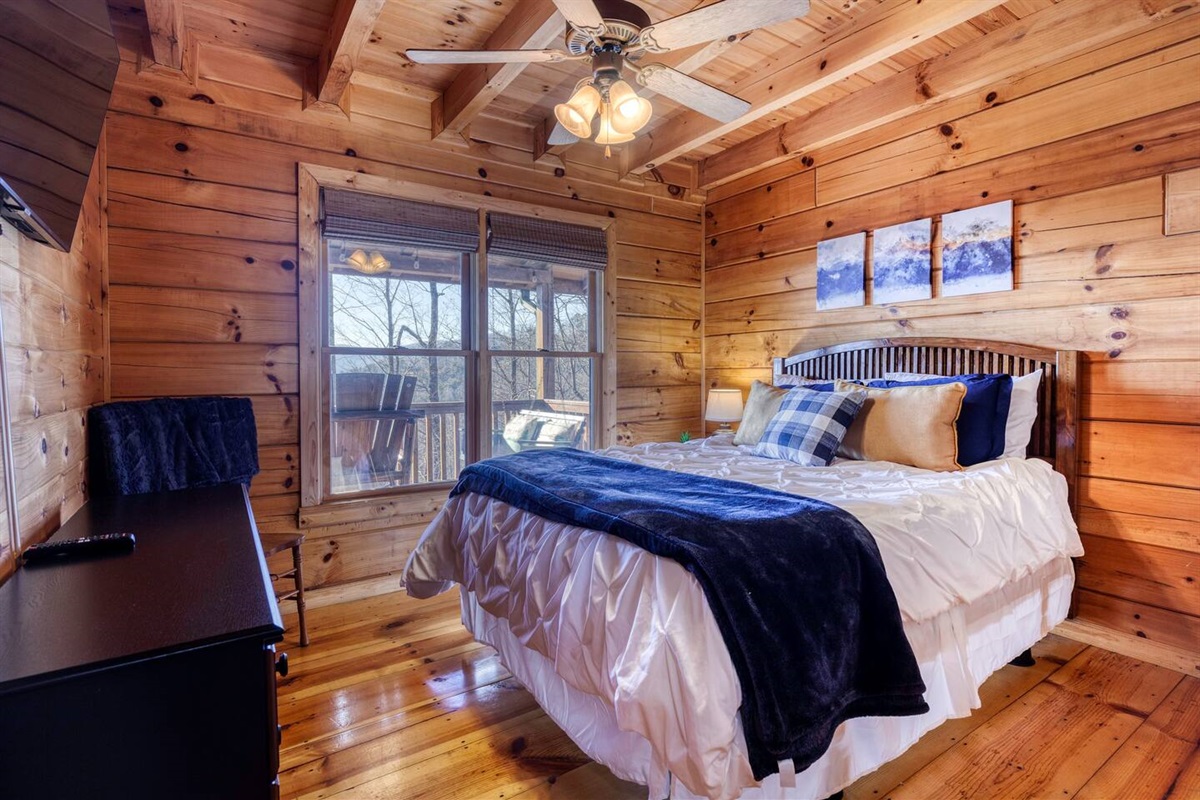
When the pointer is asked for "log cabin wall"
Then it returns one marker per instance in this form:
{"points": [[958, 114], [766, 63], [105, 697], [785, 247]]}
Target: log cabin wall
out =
{"points": [[1084, 147], [55, 353], [203, 246]]}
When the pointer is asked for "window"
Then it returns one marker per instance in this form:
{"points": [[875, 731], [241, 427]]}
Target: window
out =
{"points": [[439, 348]]}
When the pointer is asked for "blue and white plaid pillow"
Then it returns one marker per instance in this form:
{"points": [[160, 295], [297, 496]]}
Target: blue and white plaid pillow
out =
{"points": [[809, 426]]}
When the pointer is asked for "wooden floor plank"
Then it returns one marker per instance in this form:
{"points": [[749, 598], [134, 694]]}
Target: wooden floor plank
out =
{"points": [[1187, 785], [1000, 691], [1120, 681], [589, 781], [1150, 761], [1047, 744], [394, 700]]}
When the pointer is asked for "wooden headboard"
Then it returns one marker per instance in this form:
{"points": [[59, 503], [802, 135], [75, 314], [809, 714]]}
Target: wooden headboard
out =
{"points": [[1054, 431]]}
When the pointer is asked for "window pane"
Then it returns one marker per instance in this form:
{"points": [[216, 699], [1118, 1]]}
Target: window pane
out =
{"points": [[540, 402], [533, 305], [396, 421], [415, 302]]}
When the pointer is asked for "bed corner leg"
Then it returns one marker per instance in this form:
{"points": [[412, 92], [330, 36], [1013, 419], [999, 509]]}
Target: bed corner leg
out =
{"points": [[1026, 659]]}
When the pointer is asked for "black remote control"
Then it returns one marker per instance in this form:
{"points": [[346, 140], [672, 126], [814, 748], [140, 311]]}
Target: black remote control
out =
{"points": [[66, 549]]}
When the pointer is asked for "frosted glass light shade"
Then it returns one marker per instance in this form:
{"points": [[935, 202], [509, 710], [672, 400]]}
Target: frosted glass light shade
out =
{"points": [[369, 265], [576, 114], [607, 133], [724, 405], [630, 113]]}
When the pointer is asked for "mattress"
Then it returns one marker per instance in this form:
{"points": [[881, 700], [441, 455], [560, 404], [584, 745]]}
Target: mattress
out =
{"points": [[634, 633]]}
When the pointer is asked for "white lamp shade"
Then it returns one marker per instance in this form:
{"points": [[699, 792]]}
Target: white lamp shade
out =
{"points": [[576, 114], [724, 405], [607, 133], [630, 113]]}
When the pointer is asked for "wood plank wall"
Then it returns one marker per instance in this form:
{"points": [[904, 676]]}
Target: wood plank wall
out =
{"points": [[1082, 147], [203, 248], [54, 348]]}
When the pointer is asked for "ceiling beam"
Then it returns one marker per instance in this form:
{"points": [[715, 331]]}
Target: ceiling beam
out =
{"points": [[165, 19], [349, 30], [890, 28], [532, 24], [1049, 36]]}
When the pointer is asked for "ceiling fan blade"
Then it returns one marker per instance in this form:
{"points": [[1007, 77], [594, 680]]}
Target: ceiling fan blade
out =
{"points": [[718, 21], [708, 100], [561, 135], [581, 14], [483, 56]]}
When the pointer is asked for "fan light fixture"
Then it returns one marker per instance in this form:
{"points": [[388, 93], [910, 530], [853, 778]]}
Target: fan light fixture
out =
{"points": [[622, 112], [614, 35], [367, 264]]}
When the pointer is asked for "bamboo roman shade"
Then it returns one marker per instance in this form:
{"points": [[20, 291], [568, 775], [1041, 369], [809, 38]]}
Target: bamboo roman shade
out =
{"points": [[547, 240], [354, 215]]}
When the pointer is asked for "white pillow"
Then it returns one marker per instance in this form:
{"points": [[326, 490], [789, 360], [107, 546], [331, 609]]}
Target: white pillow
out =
{"points": [[782, 380], [1022, 409]]}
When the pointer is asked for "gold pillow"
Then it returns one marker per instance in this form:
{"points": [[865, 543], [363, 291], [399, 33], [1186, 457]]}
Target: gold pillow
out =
{"points": [[906, 425], [761, 405]]}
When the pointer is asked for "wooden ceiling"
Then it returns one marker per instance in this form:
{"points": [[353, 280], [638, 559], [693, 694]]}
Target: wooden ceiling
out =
{"points": [[349, 55]]}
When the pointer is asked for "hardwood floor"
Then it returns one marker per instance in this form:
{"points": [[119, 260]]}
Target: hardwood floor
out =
{"points": [[394, 700]]}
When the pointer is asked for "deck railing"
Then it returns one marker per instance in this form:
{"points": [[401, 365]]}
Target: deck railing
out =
{"points": [[441, 434]]}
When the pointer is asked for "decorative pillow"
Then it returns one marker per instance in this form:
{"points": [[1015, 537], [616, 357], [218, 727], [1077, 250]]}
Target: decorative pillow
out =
{"points": [[521, 429], [1022, 409], [761, 406], [559, 432], [907, 425], [1021, 414], [984, 417], [809, 426], [816, 384]]}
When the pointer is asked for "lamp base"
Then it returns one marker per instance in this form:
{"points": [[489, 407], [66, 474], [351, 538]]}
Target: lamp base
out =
{"points": [[724, 427]]}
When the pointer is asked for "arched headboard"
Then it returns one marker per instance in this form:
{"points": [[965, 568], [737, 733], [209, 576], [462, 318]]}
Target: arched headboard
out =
{"points": [[1056, 426]]}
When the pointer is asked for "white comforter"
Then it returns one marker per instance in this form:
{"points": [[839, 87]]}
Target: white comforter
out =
{"points": [[635, 631]]}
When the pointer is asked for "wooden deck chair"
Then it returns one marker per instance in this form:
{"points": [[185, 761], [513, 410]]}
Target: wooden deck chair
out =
{"points": [[374, 430]]}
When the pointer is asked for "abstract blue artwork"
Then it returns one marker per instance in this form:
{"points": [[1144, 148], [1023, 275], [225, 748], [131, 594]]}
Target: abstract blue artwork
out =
{"points": [[840, 268], [901, 258], [977, 254]]}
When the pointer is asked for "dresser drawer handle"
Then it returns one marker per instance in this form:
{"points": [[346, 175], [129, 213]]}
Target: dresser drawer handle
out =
{"points": [[281, 665]]}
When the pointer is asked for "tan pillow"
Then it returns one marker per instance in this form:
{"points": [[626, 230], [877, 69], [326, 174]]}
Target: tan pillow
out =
{"points": [[906, 425], [761, 406]]}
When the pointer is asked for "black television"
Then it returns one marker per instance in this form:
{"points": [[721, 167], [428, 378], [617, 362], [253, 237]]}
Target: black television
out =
{"points": [[58, 62]]}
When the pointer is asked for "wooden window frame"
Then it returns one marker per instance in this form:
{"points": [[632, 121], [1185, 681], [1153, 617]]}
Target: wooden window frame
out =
{"points": [[314, 382]]}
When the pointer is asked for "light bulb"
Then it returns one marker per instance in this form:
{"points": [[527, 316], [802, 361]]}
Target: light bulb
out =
{"points": [[576, 114]]}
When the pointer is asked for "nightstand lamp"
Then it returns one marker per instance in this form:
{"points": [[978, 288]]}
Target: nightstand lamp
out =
{"points": [[724, 406]]}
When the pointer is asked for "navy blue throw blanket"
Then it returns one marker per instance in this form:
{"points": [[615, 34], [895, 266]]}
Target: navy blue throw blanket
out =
{"points": [[172, 443], [796, 585]]}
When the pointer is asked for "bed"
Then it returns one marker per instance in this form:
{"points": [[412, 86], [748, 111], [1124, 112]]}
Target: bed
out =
{"points": [[621, 649]]}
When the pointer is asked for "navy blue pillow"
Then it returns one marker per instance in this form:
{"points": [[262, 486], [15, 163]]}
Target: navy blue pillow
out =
{"points": [[812, 387], [984, 415]]}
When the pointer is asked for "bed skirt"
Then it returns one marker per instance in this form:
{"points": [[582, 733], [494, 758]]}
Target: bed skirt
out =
{"points": [[957, 650]]}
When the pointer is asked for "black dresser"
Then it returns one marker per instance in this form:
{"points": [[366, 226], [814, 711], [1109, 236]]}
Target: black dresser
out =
{"points": [[147, 675]]}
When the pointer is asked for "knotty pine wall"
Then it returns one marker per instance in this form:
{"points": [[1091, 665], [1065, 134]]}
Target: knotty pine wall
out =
{"points": [[203, 252], [54, 348], [1082, 148]]}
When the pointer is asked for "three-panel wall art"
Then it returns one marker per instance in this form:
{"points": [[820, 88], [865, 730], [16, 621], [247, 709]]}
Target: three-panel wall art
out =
{"points": [[977, 257]]}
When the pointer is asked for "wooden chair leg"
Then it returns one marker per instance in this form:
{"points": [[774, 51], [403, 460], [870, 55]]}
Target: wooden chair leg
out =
{"points": [[298, 563]]}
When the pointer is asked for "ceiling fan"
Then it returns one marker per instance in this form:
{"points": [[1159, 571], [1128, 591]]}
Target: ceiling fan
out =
{"points": [[615, 35]]}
